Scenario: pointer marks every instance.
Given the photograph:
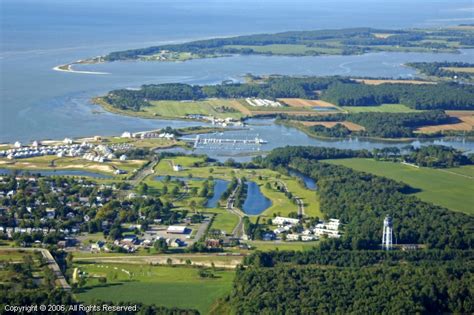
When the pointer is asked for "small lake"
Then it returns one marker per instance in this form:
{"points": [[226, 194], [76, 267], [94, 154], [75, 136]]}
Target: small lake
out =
{"points": [[78, 173], [308, 181], [220, 186], [256, 202]]}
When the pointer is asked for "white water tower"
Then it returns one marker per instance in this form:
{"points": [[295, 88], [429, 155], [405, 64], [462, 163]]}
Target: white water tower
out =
{"points": [[387, 238]]}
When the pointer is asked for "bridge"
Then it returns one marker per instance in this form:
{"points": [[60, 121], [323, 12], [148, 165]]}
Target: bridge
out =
{"points": [[198, 140]]}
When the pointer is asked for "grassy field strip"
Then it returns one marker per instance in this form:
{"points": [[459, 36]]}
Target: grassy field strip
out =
{"points": [[205, 107], [384, 108], [446, 188], [160, 285]]}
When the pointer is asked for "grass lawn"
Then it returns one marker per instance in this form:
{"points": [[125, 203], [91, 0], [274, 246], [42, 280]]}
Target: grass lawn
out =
{"points": [[181, 109], [384, 108], [268, 246], [280, 203], [441, 187], [224, 220], [160, 285]]}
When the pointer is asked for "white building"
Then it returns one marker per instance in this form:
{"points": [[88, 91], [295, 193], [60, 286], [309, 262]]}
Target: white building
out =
{"points": [[284, 221], [123, 157], [67, 141], [176, 229], [177, 168], [17, 144], [126, 134]]}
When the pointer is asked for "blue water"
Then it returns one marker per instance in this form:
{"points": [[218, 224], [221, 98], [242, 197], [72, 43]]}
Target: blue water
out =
{"points": [[38, 103], [308, 181], [256, 202], [56, 173], [323, 109], [220, 186]]}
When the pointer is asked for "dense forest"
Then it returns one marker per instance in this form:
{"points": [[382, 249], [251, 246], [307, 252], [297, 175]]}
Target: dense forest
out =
{"points": [[438, 69], [438, 156], [349, 275], [382, 125], [401, 289], [362, 200], [417, 96], [344, 41]]}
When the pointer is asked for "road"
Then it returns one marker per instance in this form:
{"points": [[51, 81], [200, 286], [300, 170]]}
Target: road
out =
{"points": [[299, 201], [238, 231], [60, 280], [207, 260]]}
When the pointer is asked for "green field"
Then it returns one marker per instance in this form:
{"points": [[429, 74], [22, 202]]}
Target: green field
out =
{"points": [[160, 285], [450, 188], [384, 108], [280, 203], [282, 49], [183, 108], [268, 246], [224, 220]]}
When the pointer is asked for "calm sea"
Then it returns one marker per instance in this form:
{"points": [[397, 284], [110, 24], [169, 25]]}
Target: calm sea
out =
{"points": [[38, 103]]}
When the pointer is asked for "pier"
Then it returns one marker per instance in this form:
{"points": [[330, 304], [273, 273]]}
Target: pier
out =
{"points": [[198, 140]]}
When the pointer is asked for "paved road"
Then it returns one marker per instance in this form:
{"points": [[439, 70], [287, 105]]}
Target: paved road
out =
{"points": [[60, 280], [299, 201]]}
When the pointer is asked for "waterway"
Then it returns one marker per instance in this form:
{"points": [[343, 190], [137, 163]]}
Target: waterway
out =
{"points": [[39, 103], [308, 181], [220, 186], [256, 202]]}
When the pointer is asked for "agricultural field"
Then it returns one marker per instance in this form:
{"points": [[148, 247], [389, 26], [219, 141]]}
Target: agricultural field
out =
{"points": [[450, 188], [384, 108], [460, 69], [180, 287], [466, 123], [220, 108]]}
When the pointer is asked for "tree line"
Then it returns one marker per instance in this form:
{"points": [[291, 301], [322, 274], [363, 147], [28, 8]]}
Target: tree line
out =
{"points": [[417, 96], [361, 201]]}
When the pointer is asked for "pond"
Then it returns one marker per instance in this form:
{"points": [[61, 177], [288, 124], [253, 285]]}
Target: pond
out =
{"points": [[324, 108], [256, 202], [56, 173], [220, 186], [308, 181]]}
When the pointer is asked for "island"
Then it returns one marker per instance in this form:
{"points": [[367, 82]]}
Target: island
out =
{"points": [[351, 41]]}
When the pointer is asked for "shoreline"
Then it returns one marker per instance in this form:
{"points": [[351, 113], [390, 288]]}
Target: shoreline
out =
{"points": [[68, 68]]}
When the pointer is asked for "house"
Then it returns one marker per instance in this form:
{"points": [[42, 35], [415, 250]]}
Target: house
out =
{"points": [[50, 213], [293, 237], [284, 221], [67, 141], [268, 236], [123, 157], [177, 168], [177, 229], [126, 134]]}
